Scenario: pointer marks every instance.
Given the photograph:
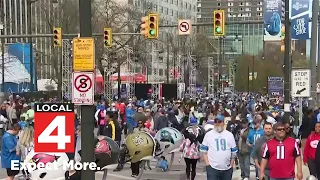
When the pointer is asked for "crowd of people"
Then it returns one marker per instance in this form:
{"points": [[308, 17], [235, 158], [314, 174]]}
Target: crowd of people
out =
{"points": [[222, 132]]}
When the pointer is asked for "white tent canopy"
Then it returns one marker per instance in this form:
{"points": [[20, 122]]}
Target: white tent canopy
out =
{"points": [[14, 70]]}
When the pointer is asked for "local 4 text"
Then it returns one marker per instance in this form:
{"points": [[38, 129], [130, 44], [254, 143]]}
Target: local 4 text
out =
{"points": [[54, 127]]}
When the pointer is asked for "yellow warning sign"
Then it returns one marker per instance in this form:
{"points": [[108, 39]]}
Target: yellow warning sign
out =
{"points": [[83, 54]]}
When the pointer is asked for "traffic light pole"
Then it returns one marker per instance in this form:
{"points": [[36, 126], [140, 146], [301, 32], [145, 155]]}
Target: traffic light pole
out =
{"points": [[87, 119], [313, 53], [287, 52]]}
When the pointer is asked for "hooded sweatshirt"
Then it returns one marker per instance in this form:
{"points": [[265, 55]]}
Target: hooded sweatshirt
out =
{"points": [[311, 147]]}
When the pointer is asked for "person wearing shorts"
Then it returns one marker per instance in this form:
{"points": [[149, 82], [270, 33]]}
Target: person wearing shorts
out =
{"points": [[9, 153]]}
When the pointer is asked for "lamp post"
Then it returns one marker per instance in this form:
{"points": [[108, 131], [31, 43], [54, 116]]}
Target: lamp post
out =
{"points": [[2, 57]]}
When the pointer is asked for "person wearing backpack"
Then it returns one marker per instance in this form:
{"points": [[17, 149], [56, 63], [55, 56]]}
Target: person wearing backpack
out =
{"points": [[100, 116]]}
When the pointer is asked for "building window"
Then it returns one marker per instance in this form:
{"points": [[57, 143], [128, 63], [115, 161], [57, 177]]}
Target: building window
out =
{"points": [[177, 2], [240, 9], [171, 1], [230, 9], [248, 9], [155, 7], [259, 14], [160, 72], [166, 11], [259, 9], [230, 4], [186, 5], [219, 4], [241, 3], [161, 9], [171, 12]]}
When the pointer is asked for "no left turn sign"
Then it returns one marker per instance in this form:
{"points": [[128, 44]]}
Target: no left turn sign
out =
{"points": [[184, 27]]}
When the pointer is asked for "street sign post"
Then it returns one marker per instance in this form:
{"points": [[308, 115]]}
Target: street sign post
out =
{"points": [[83, 88], [83, 54], [184, 27], [300, 82]]}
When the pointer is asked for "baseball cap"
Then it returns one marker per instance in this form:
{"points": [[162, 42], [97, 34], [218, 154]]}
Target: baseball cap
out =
{"points": [[193, 121], [219, 118]]}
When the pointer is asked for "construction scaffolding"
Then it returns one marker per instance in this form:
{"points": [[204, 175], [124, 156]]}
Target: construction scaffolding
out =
{"points": [[211, 81], [67, 64], [192, 76], [108, 89], [155, 72], [180, 81], [130, 84]]}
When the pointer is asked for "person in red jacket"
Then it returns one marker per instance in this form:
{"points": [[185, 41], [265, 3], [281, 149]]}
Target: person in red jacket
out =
{"points": [[309, 154]]}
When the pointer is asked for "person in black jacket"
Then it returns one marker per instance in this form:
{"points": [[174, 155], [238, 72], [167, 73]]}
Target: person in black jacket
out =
{"points": [[306, 126]]}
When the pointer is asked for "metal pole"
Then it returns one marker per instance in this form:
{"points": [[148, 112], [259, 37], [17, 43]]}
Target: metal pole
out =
{"points": [[87, 120], [168, 64], [252, 85], [30, 43], [119, 77], [2, 61], [318, 71], [287, 52], [248, 79], [220, 63], [313, 53]]}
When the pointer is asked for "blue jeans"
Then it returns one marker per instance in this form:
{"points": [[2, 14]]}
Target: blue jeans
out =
{"points": [[129, 128], [281, 178], [214, 174], [244, 161]]}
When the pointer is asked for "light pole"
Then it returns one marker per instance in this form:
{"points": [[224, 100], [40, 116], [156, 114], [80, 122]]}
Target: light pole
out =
{"points": [[2, 57]]}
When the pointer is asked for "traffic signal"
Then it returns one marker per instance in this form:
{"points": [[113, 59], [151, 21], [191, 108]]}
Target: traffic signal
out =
{"points": [[153, 21], [219, 23], [144, 26], [57, 37], [282, 45], [107, 37]]}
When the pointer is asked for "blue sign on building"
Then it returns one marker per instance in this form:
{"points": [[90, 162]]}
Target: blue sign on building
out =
{"points": [[275, 86], [272, 20], [300, 15]]}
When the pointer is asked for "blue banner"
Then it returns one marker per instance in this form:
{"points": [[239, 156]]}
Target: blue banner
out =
{"points": [[300, 14], [272, 20], [123, 90], [275, 86]]}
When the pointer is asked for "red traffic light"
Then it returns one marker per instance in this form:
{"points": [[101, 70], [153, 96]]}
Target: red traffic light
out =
{"points": [[218, 15], [152, 19], [106, 33], [55, 31]]}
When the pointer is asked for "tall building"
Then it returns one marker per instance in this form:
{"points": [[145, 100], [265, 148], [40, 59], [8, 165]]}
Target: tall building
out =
{"points": [[244, 38], [170, 11]]}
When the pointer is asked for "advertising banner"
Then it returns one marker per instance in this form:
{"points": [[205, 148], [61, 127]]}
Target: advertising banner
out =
{"points": [[275, 86], [272, 20], [17, 67], [300, 15]]}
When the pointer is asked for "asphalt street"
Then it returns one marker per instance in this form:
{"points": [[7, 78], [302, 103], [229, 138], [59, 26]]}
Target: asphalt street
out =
{"points": [[176, 170]]}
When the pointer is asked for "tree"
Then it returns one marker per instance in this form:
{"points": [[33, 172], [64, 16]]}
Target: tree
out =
{"points": [[267, 63]]}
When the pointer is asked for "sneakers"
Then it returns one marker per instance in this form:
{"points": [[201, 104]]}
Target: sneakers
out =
{"points": [[117, 169], [147, 168], [134, 175]]}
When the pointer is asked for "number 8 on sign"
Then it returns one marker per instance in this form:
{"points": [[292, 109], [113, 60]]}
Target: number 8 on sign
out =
{"points": [[54, 127]]}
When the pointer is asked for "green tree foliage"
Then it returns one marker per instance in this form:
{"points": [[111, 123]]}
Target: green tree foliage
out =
{"points": [[267, 63]]}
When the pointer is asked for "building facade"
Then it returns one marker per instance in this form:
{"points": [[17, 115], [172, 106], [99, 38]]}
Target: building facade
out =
{"points": [[241, 38], [15, 19], [170, 12]]}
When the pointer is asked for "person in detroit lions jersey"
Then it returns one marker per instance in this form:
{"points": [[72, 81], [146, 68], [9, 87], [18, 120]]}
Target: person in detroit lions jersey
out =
{"points": [[253, 136], [220, 151]]}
